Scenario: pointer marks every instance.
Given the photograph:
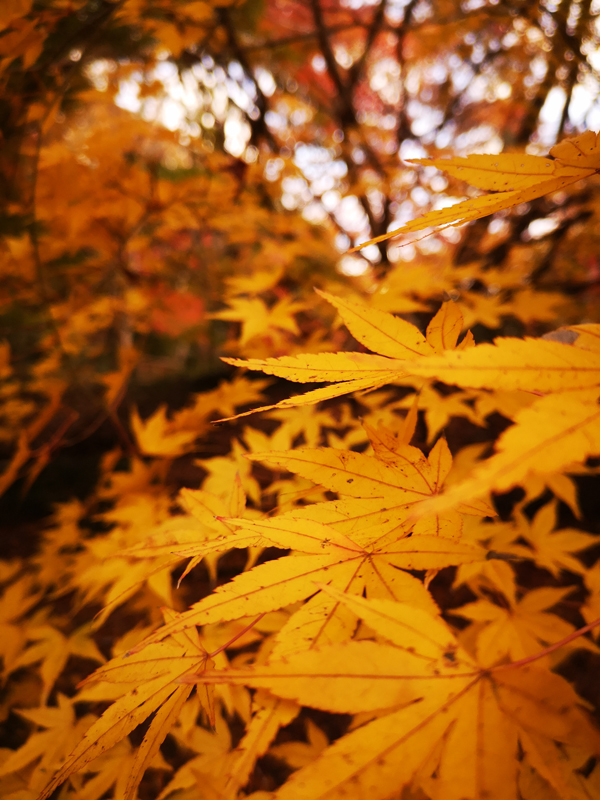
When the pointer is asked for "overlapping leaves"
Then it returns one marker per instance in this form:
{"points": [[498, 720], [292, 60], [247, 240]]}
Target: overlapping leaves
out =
{"points": [[396, 342], [360, 633], [363, 541], [437, 716], [151, 686], [562, 371]]}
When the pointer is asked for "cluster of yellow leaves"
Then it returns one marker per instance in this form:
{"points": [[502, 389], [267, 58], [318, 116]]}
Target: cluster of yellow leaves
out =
{"points": [[558, 425], [343, 618], [360, 633]]}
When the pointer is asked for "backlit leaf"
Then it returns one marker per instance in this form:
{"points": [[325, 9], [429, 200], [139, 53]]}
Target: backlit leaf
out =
{"points": [[379, 331]]}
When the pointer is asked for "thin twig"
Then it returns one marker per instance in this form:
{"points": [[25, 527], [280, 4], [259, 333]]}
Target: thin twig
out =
{"points": [[375, 28], [530, 659], [237, 636], [299, 37]]}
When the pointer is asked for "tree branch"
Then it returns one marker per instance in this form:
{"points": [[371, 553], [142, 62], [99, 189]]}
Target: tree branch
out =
{"points": [[356, 70], [346, 110]]}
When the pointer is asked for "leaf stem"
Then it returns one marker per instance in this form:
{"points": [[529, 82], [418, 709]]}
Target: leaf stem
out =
{"points": [[523, 661], [237, 636]]}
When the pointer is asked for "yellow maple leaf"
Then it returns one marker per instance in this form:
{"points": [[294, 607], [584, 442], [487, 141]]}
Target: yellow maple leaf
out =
{"points": [[562, 486], [299, 754], [53, 649], [152, 687], [224, 399], [482, 308], [306, 420], [261, 280], [438, 714], [256, 317], [359, 542], [16, 600], [223, 471], [196, 536], [381, 332], [440, 408], [207, 772], [535, 365], [520, 630], [551, 549], [112, 769], [395, 341], [445, 327], [515, 178], [548, 436], [48, 747], [528, 305], [158, 436], [270, 714]]}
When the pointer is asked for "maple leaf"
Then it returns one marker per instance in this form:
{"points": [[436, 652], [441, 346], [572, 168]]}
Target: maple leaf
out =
{"points": [[299, 754], [197, 536], [438, 715], [562, 486], [208, 771], [99, 568], [388, 335], [47, 747], [494, 574], [551, 550], [159, 437], [553, 433], [17, 598], [358, 542], [306, 420], [397, 477], [356, 370], [225, 471], [521, 629], [224, 399], [396, 342], [507, 403], [53, 649], [515, 178], [439, 408], [151, 688], [259, 281], [256, 317], [483, 309], [112, 769], [270, 714], [535, 365], [528, 305]]}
